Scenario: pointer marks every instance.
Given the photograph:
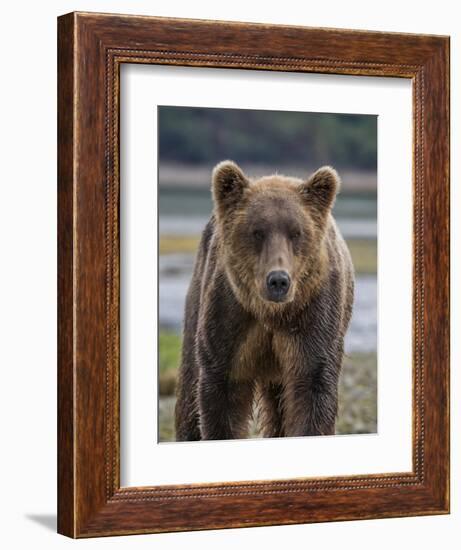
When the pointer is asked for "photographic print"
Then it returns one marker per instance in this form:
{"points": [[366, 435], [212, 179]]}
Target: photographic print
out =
{"points": [[267, 273]]}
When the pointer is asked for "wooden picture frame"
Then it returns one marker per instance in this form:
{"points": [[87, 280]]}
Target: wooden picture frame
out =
{"points": [[91, 48]]}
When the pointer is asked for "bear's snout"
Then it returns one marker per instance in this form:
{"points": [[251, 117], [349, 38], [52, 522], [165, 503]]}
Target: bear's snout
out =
{"points": [[277, 283]]}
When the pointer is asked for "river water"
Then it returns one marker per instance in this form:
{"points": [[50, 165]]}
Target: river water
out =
{"points": [[186, 211], [175, 272]]}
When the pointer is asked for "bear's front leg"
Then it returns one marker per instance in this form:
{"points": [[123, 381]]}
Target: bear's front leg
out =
{"points": [[224, 406], [310, 395], [224, 403], [311, 400]]}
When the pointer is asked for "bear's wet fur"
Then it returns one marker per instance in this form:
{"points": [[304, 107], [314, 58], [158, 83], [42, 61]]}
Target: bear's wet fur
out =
{"points": [[267, 309]]}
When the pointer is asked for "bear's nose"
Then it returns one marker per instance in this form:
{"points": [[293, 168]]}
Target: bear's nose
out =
{"points": [[278, 283]]}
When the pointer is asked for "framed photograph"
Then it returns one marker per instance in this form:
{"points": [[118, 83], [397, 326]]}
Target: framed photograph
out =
{"points": [[253, 313]]}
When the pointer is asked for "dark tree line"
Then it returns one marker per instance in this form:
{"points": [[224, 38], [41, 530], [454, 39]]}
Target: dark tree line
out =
{"points": [[201, 135]]}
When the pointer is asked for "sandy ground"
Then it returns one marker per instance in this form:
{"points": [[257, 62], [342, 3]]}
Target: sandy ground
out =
{"points": [[357, 400]]}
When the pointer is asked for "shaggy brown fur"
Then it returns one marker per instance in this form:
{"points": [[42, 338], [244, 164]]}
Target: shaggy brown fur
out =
{"points": [[240, 343]]}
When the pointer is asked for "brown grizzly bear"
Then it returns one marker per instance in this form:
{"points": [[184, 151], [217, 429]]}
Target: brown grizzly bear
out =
{"points": [[267, 309]]}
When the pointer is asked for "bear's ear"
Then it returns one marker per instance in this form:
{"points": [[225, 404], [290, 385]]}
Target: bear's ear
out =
{"points": [[321, 188], [228, 185]]}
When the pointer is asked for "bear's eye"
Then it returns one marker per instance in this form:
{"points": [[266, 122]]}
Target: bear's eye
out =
{"points": [[258, 234], [295, 234]]}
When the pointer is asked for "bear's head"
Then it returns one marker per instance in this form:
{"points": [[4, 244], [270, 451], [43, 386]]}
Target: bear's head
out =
{"points": [[272, 233]]}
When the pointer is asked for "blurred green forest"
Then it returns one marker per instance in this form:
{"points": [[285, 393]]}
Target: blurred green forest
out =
{"points": [[207, 135]]}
